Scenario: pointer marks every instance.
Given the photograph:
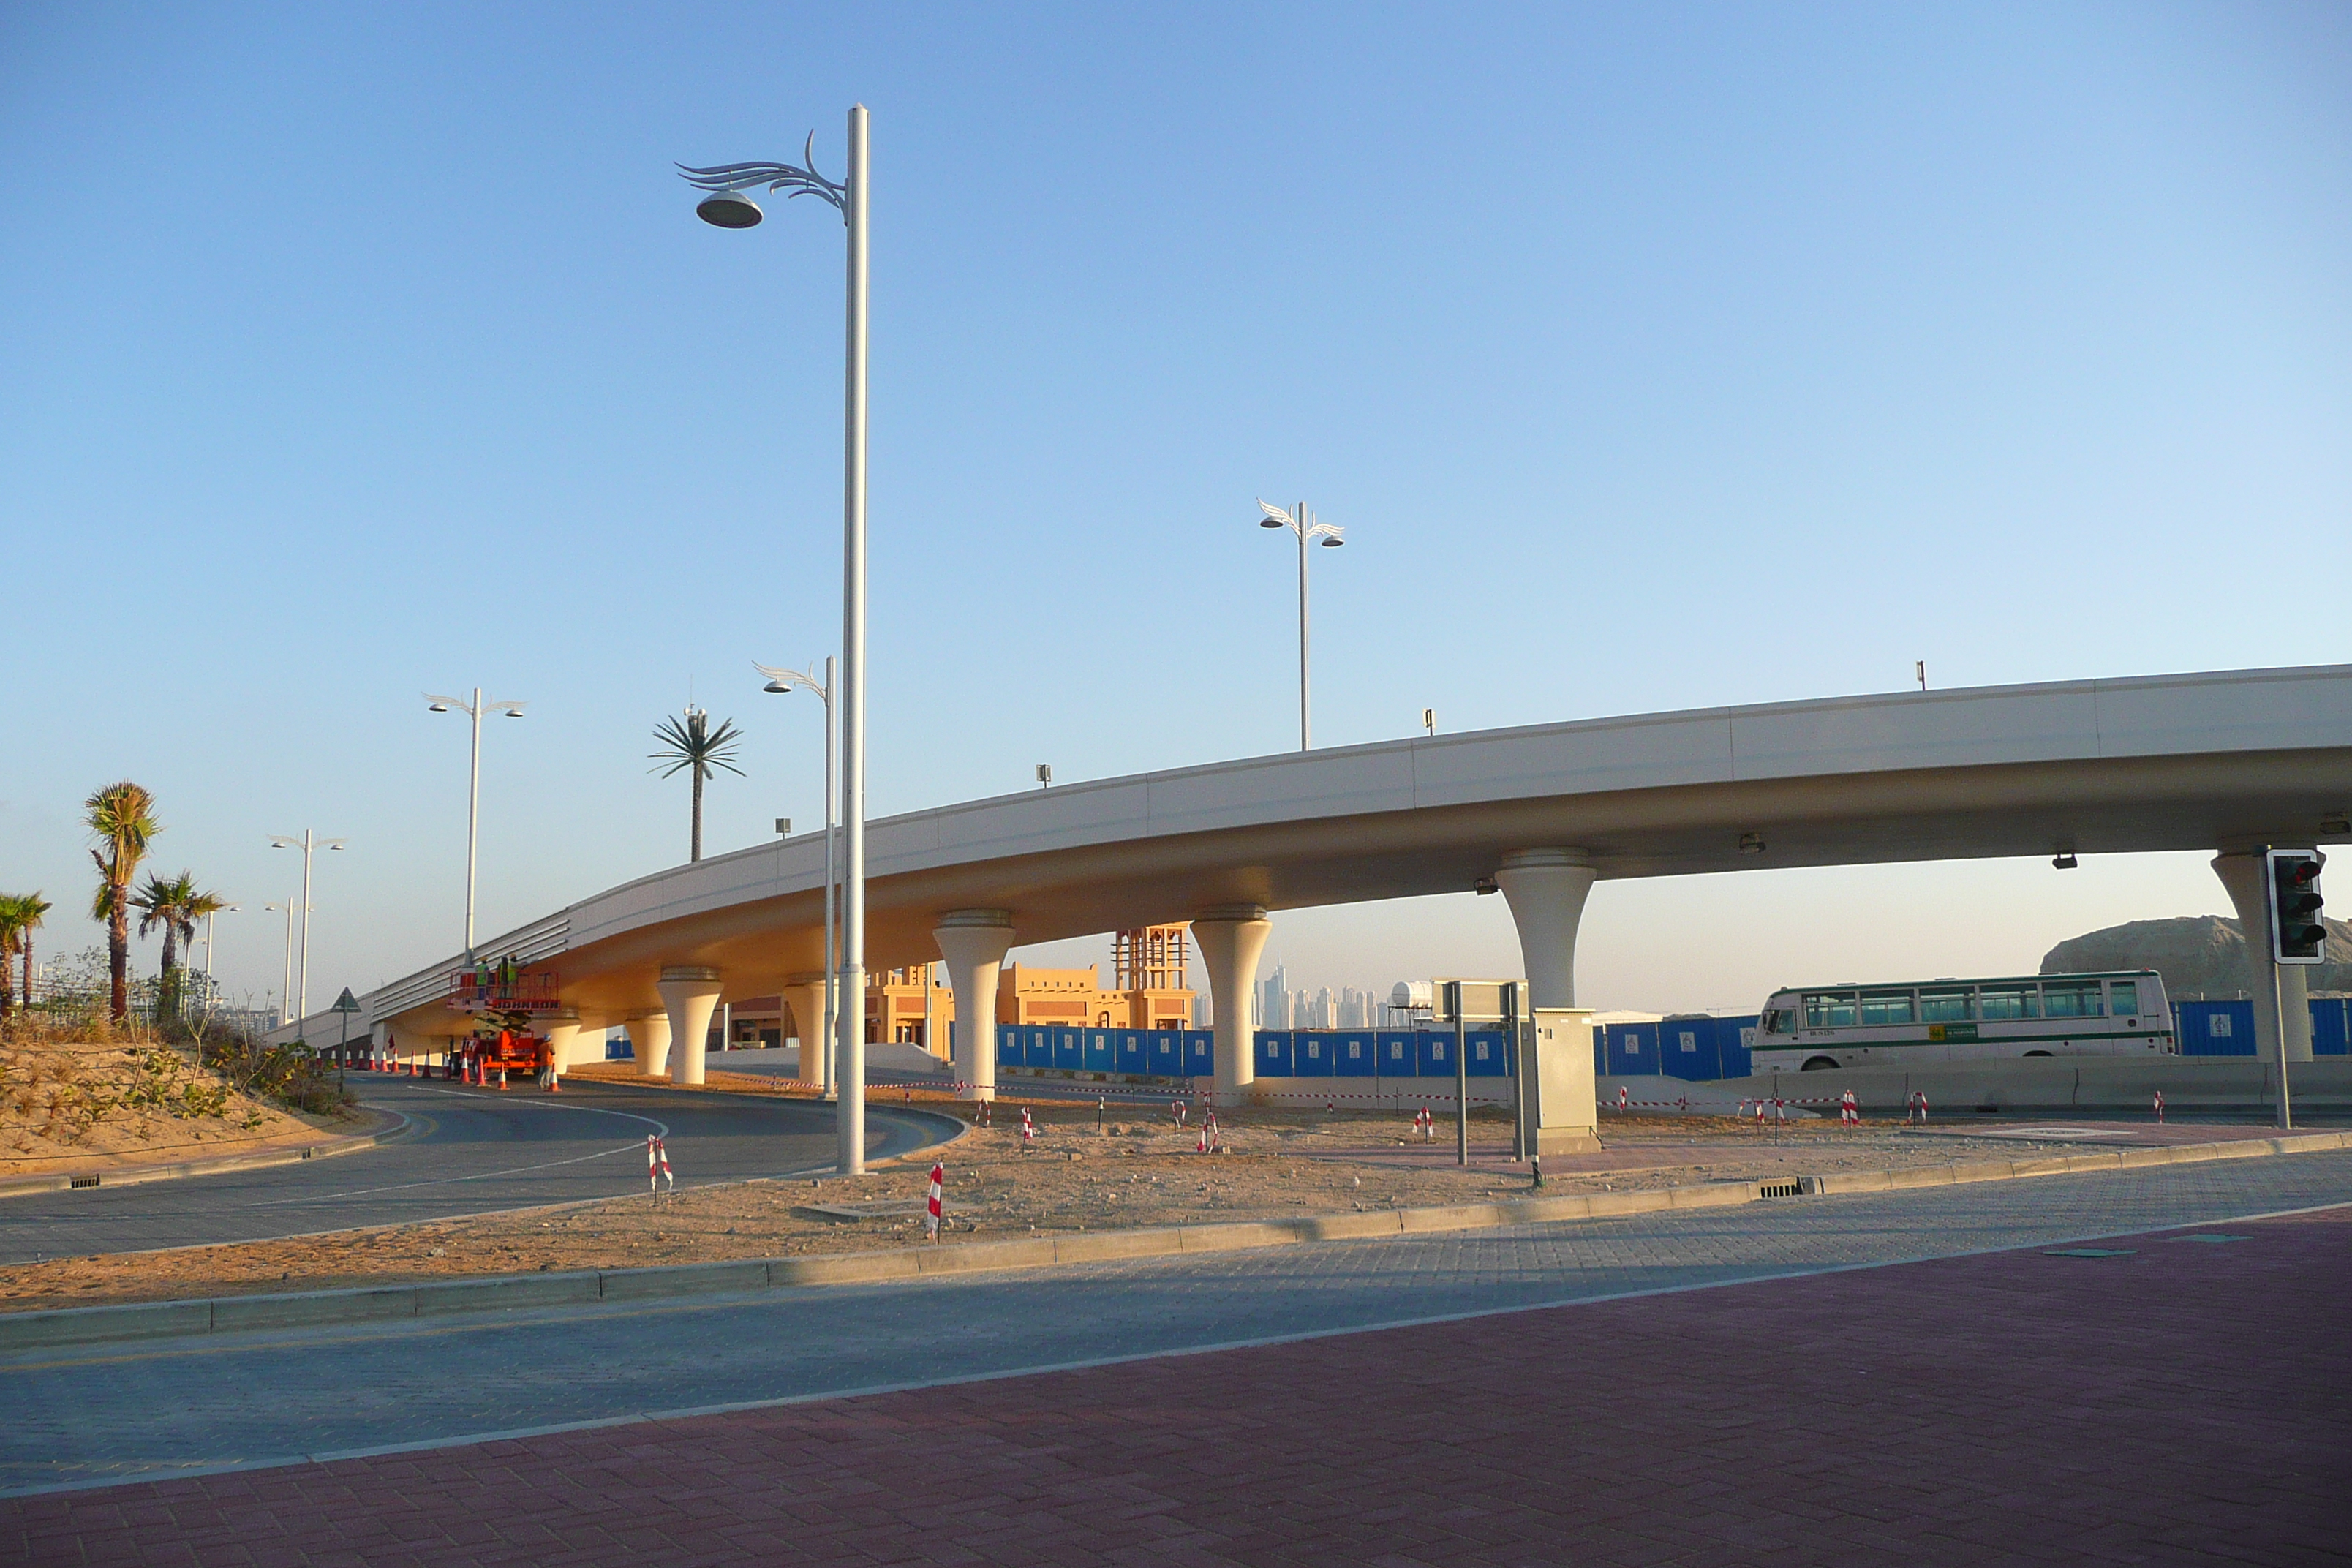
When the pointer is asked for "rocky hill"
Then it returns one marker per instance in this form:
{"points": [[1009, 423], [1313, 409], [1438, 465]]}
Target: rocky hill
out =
{"points": [[2198, 955]]}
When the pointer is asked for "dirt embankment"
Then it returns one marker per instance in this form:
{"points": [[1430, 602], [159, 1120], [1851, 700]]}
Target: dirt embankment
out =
{"points": [[89, 1099], [1085, 1172]]}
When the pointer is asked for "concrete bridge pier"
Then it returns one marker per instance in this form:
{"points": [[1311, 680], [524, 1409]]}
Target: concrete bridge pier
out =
{"points": [[649, 1034], [2242, 876], [689, 994], [805, 994], [1546, 890], [1232, 939], [974, 943], [568, 1040]]}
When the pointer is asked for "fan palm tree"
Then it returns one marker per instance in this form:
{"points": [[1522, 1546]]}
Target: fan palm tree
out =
{"points": [[121, 817], [173, 904], [692, 743], [11, 938], [20, 915]]}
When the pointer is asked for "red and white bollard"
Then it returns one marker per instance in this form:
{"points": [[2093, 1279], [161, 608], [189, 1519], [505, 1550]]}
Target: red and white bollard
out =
{"points": [[657, 1165], [939, 1185], [1849, 1110], [1624, 1101], [1176, 1110], [2159, 1105], [1917, 1112], [1028, 1130], [1200, 1143]]}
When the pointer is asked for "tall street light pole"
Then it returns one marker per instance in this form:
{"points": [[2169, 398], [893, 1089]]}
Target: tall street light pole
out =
{"points": [[796, 679], [474, 710], [286, 988], [1302, 523], [212, 975], [725, 206], [305, 844]]}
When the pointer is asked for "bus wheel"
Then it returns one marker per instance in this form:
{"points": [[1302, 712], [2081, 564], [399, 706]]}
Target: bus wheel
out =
{"points": [[1823, 1064]]}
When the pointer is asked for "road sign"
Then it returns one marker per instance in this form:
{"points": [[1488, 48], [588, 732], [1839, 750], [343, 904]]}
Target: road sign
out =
{"points": [[346, 1002]]}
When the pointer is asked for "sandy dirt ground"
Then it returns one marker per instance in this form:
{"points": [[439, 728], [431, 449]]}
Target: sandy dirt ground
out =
{"points": [[1085, 1171], [72, 1108]]}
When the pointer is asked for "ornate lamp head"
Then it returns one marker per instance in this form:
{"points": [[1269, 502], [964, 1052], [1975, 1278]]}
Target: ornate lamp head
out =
{"points": [[726, 204]]}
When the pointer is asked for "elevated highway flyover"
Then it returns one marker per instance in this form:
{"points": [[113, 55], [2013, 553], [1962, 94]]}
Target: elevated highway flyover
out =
{"points": [[2228, 760]]}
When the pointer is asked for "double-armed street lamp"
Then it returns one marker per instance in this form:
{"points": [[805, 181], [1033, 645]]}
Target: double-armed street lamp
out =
{"points": [[806, 680], [726, 204], [1302, 522], [212, 975], [286, 988], [305, 844], [474, 710]]}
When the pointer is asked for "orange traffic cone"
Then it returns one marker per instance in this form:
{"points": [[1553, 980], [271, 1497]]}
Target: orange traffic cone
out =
{"points": [[502, 1078]]}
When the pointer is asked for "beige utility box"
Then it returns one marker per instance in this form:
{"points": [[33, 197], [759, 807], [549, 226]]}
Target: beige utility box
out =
{"points": [[1561, 1118]]}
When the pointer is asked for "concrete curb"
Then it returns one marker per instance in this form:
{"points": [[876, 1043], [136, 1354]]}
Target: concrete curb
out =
{"points": [[378, 1304], [131, 1175]]}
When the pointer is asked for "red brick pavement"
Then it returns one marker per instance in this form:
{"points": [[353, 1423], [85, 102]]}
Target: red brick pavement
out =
{"points": [[2187, 1404]]}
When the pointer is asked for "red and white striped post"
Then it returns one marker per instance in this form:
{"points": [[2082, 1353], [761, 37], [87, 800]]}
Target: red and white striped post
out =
{"points": [[2159, 1105], [657, 1164], [939, 1184], [1849, 1110], [1028, 1130]]}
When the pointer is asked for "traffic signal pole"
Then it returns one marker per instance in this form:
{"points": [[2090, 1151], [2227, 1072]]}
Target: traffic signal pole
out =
{"points": [[2298, 934], [2278, 1006]]}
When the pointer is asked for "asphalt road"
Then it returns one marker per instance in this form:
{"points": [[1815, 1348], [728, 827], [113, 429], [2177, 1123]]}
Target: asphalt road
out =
{"points": [[465, 1151], [92, 1414]]}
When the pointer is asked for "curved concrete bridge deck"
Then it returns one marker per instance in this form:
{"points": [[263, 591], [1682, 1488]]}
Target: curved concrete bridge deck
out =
{"points": [[2226, 761]]}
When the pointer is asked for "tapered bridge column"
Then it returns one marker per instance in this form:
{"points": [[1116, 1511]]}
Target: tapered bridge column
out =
{"points": [[974, 943], [804, 993], [563, 1037], [1547, 890], [690, 992], [1232, 939], [649, 1036], [2241, 875]]}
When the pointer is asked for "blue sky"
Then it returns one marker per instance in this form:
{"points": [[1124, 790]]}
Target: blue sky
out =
{"points": [[1652, 357]]}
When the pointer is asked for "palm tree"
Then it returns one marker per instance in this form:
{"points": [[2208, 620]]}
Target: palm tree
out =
{"points": [[694, 744], [176, 904], [12, 933], [22, 917], [122, 819]]}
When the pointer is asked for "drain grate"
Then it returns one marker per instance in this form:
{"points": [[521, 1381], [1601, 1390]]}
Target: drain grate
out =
{"points": [[2211, 1238], [1788, 1189], [2092, 1252], [87, 1181]]}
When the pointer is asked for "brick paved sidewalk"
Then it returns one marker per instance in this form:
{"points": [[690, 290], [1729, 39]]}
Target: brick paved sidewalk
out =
{"points": [[2182, 1404]]}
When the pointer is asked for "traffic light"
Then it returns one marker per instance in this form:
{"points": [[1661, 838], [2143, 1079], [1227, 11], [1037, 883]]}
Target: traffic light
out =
{"points": [[2298, 934]]}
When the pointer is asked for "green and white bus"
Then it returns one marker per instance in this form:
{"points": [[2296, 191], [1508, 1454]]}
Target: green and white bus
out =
{"points": [[1810, 1028]]}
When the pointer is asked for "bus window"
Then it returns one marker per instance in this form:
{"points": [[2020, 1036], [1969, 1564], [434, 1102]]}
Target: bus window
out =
{"points": [[2123, 998], [2070, 1001], [1778, 1020], [1829, 1009], [1886, 1007], [1949, 1005], [2004, 1002]]}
